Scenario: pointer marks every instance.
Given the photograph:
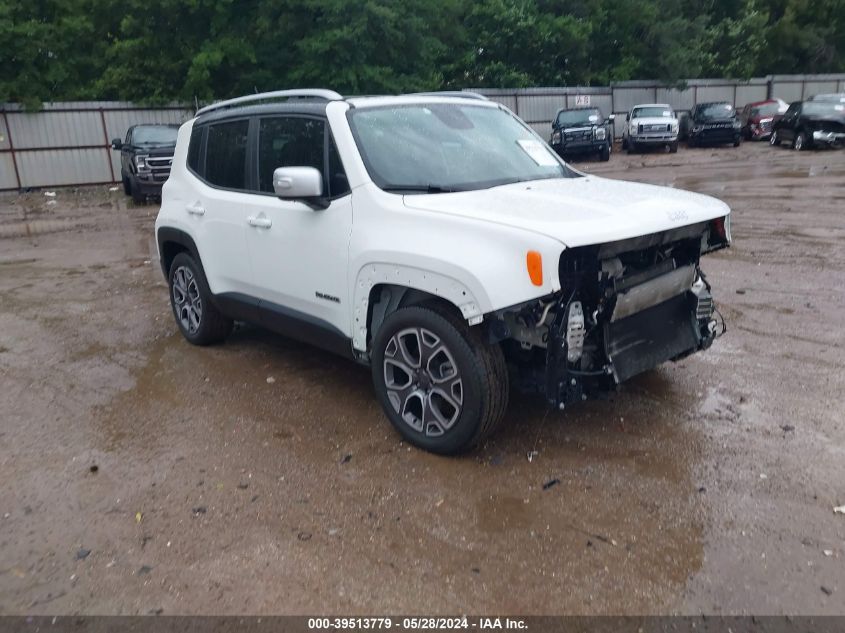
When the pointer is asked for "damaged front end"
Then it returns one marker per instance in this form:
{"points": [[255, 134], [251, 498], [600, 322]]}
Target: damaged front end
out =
{"points": [[625, 307]]}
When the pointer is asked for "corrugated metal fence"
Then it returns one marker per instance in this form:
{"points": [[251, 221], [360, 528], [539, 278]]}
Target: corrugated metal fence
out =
{"points": [[538, 106], [69, 143]]}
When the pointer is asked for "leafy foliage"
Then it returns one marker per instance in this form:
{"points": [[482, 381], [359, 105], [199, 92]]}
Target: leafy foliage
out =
{"points": [[161, 50]]}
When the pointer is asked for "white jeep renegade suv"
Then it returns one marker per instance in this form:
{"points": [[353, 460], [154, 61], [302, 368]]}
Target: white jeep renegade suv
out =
{"points": [[437, 239]]}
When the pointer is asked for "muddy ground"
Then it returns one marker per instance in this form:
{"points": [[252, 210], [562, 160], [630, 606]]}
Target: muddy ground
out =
{"points": [[141, 475]]}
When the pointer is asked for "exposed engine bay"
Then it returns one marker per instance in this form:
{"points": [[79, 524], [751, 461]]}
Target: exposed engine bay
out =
{"points": [[624, 307]]}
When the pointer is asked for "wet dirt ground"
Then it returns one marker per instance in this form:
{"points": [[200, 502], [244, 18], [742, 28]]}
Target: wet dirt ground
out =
{"points": [[139, 474]]}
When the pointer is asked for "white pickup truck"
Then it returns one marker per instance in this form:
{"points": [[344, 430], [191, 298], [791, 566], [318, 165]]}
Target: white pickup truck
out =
{"points": [[438, 240], [650, 125]]}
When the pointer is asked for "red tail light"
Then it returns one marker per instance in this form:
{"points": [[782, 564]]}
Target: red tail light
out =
{"points": [[717, 228]]}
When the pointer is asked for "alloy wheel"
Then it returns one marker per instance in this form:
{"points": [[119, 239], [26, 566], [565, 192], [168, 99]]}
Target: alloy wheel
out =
{"points": [[422, 379], [186, 299]]}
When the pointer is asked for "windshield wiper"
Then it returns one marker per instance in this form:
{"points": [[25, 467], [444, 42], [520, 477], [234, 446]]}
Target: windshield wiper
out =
{"points": [[419, 189]]}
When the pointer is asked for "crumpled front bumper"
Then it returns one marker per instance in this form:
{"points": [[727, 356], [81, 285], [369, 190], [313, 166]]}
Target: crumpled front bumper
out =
{"points": [[659, 322]]}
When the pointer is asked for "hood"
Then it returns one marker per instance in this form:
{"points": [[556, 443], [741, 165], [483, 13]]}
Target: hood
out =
{"points": [[835, 120], [652, 120], [718, 119], [578, 211], [156, 150]]}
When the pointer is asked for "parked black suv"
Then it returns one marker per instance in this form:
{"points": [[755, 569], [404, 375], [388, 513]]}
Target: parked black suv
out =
{"points": [[582, 131], [714, 123], [145, 159], [811, 124]]}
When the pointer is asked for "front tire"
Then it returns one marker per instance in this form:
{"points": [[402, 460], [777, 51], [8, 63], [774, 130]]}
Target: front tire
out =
{"points": [[127, 185], [604, 153], [199, 320], [774, 139], [673, 147], [441, 386], [138, 197]]}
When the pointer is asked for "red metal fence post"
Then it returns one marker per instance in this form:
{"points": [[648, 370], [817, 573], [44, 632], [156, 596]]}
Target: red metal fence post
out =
{"points": [[107, 145], [12, 149]]}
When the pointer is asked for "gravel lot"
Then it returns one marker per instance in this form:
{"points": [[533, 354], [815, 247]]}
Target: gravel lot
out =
{"points": [[141, 475]]}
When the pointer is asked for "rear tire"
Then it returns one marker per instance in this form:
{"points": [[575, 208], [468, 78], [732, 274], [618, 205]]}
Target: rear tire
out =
{"points": [[441, 386], [800, 142], [199, 320]]}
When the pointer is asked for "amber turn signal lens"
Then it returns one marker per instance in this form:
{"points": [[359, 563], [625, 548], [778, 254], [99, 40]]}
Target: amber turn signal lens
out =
{"points": [[534, 262]]}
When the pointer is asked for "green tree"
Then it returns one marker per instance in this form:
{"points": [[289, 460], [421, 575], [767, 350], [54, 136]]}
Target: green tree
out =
{"points": [[40, 54]]}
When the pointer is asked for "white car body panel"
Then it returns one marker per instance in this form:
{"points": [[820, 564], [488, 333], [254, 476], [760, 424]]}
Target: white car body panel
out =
{"points": [[468, 247], [579, 211]]}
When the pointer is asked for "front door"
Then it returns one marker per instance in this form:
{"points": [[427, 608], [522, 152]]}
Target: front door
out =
{"points": [[787, 128], [299, 254]]}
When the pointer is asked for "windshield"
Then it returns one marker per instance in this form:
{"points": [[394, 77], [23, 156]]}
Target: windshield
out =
{"points": [[837, 98], [824, 108], [660, 112], [575, 118], [767, 109], [716, 111], [436, 148], [154, 135]]}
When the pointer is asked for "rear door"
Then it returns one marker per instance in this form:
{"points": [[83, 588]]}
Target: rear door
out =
{"points": [[216, 212]]}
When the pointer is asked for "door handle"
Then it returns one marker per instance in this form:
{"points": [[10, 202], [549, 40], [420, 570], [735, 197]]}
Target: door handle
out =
{"points": [[262, 223], [195, 209]]}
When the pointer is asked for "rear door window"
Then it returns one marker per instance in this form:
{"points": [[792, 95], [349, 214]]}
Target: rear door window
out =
{"points": [[226, 150]]}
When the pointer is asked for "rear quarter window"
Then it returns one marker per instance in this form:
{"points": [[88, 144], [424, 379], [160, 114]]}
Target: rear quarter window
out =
{"points": [[195, 150]]}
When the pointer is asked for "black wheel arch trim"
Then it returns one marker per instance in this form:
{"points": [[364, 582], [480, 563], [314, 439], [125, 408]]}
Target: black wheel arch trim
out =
{"points": [[166, 235]]}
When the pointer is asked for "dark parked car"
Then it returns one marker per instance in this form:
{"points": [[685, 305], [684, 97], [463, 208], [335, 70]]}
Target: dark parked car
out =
{"points": [[582, 131], [145, 159], [757, 118], [811, 124], [714, 123]]}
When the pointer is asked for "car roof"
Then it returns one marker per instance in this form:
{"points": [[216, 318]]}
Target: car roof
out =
{"points": [[137, 125], [306, 107], [416, 99], [312, 106], [653, 105], [712, 103], [575, 109]]}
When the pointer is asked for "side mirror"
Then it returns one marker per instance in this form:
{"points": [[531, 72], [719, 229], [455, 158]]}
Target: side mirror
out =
{"points": [[300, 183], [116, 143], [628, 117], [611, 118]]}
